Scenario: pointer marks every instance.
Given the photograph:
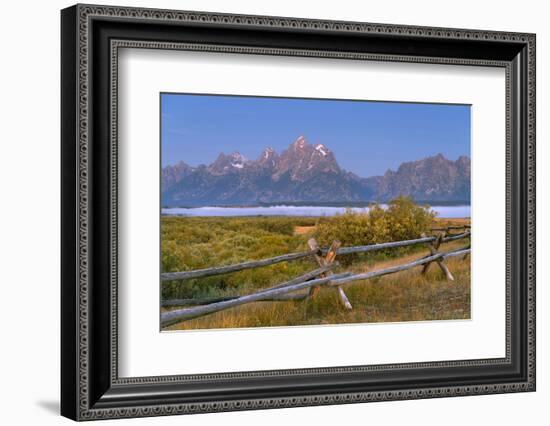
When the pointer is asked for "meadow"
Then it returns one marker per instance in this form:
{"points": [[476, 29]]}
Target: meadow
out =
{"points": [[190, 243]]}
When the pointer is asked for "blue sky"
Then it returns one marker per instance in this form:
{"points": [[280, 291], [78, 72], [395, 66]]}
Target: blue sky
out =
{"points": [[367, 138]]}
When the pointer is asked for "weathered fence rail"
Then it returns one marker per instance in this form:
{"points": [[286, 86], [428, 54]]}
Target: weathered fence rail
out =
{"points": [[201, 273], [311, 281], [307, 276]]}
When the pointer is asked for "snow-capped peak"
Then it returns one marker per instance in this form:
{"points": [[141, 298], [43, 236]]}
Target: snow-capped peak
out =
{"points": [[322, 149], [300, 142], [237, 160], [268, 152], [238, 156]]}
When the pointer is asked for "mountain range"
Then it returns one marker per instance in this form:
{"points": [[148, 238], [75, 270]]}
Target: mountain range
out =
{"points": [[309, 173]]}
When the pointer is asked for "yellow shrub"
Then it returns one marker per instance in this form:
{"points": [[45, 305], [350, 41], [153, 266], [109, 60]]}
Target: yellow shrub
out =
{"points": [[402, 219]]}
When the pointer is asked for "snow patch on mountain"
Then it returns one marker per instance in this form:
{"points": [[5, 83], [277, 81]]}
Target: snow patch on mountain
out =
{"points": [[300, 142], [321, 149]]}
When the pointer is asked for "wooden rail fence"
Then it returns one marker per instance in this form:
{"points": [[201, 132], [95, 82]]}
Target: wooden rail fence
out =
{"points": [[308, 285]]}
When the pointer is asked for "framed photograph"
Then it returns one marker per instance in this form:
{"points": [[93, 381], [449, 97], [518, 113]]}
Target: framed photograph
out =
{"points": [[263, 212]]}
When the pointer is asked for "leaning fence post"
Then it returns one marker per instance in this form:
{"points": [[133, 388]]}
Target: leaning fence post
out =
{"points": [[327, 261], [433, 250], [314, 247]]}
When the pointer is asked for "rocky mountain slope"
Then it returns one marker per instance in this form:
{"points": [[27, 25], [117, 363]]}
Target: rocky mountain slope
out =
{"points": [[309, 173]]}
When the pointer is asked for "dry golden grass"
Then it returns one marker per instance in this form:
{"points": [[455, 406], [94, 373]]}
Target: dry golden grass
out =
{"points": [[404, 296], [452, 222]]}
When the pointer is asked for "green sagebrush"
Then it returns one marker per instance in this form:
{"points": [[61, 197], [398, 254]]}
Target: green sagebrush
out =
{"points": [[402, 219]]}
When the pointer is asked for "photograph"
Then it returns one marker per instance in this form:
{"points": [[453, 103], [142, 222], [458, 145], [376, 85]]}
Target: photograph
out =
{"points": [[293, 212], [263, 209]]}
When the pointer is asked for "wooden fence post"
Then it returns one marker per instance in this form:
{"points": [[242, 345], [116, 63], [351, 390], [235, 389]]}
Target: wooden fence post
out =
{"points": [[314, 247], [433, 250], [324, 262]]}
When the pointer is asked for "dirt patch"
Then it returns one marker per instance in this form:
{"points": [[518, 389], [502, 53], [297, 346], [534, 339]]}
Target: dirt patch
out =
{"points": [[301, 230]]}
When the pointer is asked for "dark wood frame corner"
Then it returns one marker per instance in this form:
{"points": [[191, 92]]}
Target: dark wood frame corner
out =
{"points": [[90, 38]]}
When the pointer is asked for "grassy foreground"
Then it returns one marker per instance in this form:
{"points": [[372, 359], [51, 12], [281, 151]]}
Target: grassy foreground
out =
{"points": [[193, 243]]}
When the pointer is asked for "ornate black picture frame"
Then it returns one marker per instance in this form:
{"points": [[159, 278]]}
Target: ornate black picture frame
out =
{"points": [[91, 387]]}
